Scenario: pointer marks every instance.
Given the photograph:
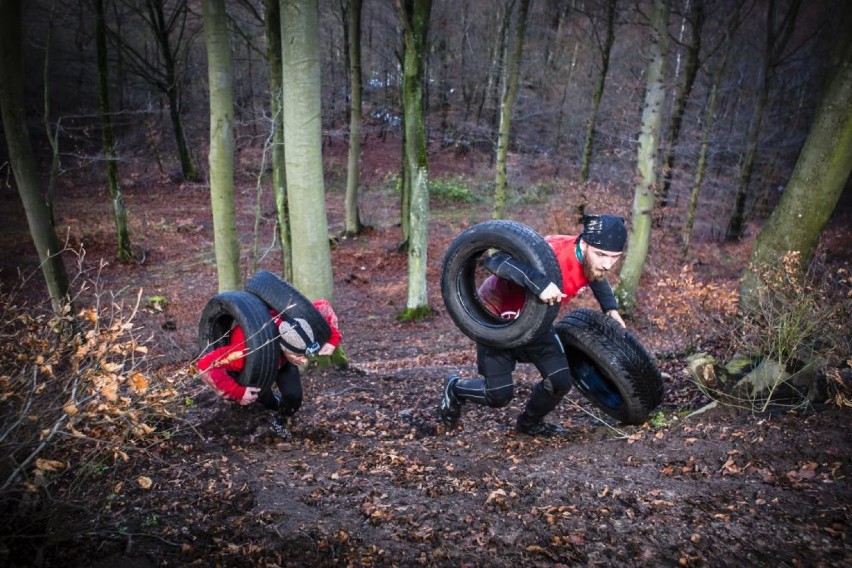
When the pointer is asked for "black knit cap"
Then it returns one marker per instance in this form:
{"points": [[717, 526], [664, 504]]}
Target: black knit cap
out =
{"points": [[606, 232]]}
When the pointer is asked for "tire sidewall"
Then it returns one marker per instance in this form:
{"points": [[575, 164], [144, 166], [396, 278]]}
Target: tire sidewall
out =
{"points": [[458, 283]]}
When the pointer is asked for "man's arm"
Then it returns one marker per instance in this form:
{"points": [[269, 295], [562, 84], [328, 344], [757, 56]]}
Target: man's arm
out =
{"points": [[502, 265], [603, 294]]}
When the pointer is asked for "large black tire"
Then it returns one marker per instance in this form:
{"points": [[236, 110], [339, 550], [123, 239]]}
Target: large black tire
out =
{"points": [[282, 297], [247, 311], [610, 366], [458, 282]]}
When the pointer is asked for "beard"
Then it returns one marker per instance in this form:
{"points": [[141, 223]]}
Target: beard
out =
{"points": [[589, 271]]}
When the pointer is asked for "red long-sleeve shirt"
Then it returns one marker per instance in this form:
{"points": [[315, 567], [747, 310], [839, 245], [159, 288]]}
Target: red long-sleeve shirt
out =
{"points": [[230, 358], [505, 298]]}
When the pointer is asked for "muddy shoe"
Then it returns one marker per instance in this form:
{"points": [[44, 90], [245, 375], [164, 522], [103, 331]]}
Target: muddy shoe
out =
{"points": [[279, 428], [451, 407], [541, 429]]}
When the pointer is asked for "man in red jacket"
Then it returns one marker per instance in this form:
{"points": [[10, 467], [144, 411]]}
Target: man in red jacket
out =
{"points": [[584, 260], [220, 367]]}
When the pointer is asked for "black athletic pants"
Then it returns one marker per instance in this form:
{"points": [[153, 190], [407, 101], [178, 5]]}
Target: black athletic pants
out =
{"points": [[496, 365]]}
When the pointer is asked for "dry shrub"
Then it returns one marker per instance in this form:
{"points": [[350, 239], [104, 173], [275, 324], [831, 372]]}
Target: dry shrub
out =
{"points": [[79, 403], [690, 312]]}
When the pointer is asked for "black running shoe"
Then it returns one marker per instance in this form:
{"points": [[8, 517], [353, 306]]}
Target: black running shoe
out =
{"points": [[543, 429], [279, 428], [451, 407]]}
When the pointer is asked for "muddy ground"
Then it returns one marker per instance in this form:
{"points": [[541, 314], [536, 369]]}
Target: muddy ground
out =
{"points": [[370, 478]]}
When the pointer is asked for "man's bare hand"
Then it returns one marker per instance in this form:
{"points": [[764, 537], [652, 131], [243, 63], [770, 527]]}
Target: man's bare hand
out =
{"points": [[551, 295], [250, 395], [616, 316], [327, 349]]}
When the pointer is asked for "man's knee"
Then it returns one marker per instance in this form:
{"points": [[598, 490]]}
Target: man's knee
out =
{"points": [[558, 383], [500, 397]]}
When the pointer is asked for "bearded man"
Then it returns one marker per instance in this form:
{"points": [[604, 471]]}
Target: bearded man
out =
{"points": [[584, 260]]}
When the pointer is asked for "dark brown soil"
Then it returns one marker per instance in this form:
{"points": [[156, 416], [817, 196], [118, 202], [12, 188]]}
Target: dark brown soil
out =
{"points": [[369, 478]]}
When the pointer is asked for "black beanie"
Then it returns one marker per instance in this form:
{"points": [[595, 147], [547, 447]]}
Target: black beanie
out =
{"points": [[606, 232]]}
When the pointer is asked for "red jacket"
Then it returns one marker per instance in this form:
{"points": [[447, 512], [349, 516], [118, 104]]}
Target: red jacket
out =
{"points": [[506, 298], [222, 361]]}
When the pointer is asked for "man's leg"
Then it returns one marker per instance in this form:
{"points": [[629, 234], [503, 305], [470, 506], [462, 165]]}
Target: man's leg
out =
{"points": [[290, 384], [549, 358], [495, 389]]}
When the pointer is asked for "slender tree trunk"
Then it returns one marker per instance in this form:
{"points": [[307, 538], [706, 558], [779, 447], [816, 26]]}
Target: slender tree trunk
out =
{"points": [[814, 188], [220, 76], [606, 50], [352, 225], [709, 120], [690, 72], [414, 18], [21, 156], [108, 139], [303, 140], [507, 103], [774, 45], [279, 180], [173, 92], [649, 142]]}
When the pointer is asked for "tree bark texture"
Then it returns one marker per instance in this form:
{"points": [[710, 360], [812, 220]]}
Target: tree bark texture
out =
{"points": [[507, 103], [21, 155], [303, 141], [649, 142], [122, 233], [279, 178], [606, 50], [221, 157], [814, 188], [352, 224], [414, 18]]}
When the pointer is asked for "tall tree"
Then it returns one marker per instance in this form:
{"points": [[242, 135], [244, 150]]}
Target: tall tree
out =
{"points": [[21, 155], [108, 138], [507, 103], [649, 142], [279, 179], [605, 47], [775, 40], [352, 225], [695, 17], [220, 76], [166, 71], [414, 18], [814, 188], [303, 142]]}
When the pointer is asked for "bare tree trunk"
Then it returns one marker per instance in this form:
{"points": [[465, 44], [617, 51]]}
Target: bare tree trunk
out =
{"points": [[649, 142], [690, 72], [352, 225], [774, 45], [279, 179], [414, 19], [108, 139], [507, 103], [21, 156], [815, 186], [303, 140], [606, 50], [709, 120], [220, 76]]}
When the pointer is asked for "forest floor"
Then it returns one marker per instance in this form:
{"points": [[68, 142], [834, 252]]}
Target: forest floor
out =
{"points": [[370, 477]]}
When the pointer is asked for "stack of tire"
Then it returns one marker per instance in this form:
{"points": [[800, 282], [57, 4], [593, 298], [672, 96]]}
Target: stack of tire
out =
{"points": [[611, 367], [265, 295]]}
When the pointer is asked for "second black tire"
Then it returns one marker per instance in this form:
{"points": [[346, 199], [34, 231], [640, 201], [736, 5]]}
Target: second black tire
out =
{"points": [[282, 297], [246, 310], [459, 286], [611, 367]]}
